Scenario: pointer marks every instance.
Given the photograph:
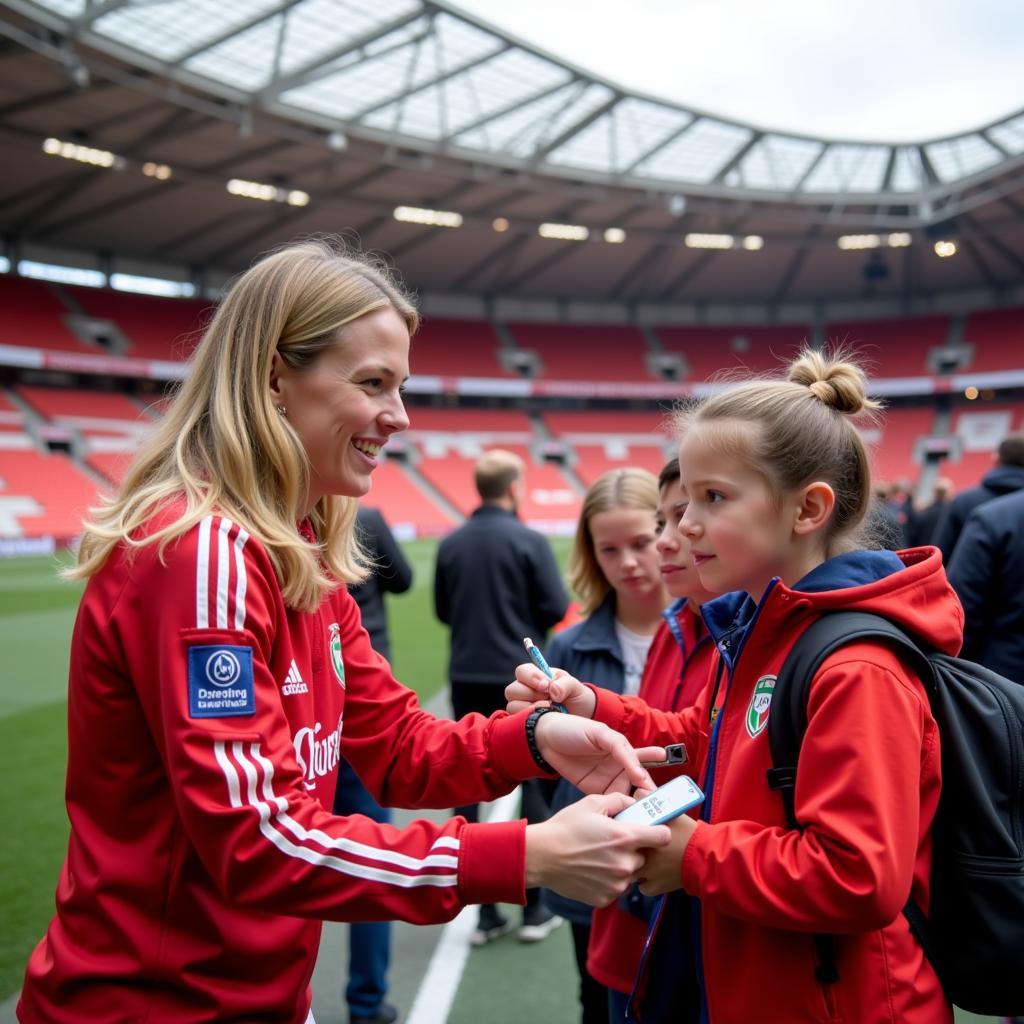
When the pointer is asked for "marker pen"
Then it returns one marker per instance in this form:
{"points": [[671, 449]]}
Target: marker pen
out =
{"points": [[541, 662]]}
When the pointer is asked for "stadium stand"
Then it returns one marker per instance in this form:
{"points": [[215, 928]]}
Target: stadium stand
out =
{"points": [[31, 316], [979, 432], [585, 352], [155, 327], [707, 351], [892, 348], [892, 443], [426, 419], [410, 511], [998, 339], [92, 412], [456, 348], [40, 493]]}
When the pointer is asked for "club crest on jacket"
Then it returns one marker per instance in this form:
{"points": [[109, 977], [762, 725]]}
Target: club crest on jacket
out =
{"points": [[760, 705]]}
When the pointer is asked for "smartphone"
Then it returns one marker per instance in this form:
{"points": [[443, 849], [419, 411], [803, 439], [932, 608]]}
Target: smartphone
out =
{"points": [[664, 804]]}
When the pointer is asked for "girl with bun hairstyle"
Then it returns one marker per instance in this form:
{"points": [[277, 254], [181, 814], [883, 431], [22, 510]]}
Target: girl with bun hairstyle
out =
{"points": [[779, 487]]}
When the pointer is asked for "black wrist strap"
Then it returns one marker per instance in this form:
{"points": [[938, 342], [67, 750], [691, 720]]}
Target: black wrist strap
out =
{"points": [[531, 738]]}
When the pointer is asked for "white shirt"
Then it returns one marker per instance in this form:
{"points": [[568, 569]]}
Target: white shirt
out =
{"points": [[634, 653]]}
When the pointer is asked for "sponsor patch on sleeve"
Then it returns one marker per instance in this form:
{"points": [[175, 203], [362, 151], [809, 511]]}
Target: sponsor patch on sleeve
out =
{"points": [[220, 682]]}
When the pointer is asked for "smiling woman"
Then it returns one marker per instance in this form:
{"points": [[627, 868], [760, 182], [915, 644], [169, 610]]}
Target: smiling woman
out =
{"points": [[220, 671]]}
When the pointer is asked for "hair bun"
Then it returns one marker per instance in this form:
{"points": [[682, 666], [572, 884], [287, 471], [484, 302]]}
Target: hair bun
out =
{"points": [[836, 381]]}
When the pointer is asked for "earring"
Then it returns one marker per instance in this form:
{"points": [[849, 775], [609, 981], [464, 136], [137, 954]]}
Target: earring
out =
{"points": [[282, 410]]}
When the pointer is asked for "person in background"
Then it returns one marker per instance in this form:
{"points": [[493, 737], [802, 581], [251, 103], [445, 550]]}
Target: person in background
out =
{"points": [[675, 674], [369, 942], [614, 571], [496, 582], [1005, 477], [987, 573], [924, 523], [219, 669]]}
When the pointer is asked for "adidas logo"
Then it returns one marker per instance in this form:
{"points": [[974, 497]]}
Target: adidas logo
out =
{"points": [[293, 682]]}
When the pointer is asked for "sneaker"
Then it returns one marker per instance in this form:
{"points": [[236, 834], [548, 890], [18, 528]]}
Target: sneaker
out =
{"points": [[537, 924], [387, 1014], [491, 925]]}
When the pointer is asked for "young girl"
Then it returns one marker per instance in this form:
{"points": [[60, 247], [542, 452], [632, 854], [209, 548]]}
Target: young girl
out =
{"points": [[614, 571], [778, 484], [675, 672]]}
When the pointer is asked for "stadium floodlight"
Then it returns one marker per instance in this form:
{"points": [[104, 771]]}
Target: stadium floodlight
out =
{"points": [[899, 239], [151, 285], [267, 193], [614, 236], [703, 240], [565, 232], [944, 248], [432, 218], [61, 274], [159, 171], [83, 154], [5, 264], [677, 205], [970, 392], [753, 243], [500, 224], [857, 243]]}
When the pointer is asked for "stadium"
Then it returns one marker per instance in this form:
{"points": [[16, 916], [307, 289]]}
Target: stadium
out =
{"points": [[584, 255]]}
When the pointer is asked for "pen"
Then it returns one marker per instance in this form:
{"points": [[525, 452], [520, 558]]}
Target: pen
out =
{"points": [[541, 662]]}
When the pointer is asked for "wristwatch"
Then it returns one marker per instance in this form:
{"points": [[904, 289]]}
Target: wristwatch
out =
{"points": [[531, 737]]}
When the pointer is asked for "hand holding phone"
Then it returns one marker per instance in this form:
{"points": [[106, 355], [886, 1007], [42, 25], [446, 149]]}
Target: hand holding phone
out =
{"points": [[665, 803]]}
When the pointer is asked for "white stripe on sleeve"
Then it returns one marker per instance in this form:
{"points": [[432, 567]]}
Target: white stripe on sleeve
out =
{"points": [[241, 579], [223, 573], [203, 574]]}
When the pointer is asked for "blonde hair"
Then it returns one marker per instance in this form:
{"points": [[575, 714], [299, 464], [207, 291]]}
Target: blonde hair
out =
{"points": [[222, 446], [495, 470], [629, 487], [804, 433]]}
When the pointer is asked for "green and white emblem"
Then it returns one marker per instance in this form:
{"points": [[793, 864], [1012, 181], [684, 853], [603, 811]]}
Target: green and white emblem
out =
{"points": [[335, 647], [760, 705]]}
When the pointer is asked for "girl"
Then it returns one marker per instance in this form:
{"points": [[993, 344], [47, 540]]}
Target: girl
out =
{"points": [[614, 570], [778, 483], [675, 672]]}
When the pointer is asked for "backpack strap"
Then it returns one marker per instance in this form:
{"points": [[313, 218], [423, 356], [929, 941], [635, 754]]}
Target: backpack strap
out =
{"points": [[787, 724]]}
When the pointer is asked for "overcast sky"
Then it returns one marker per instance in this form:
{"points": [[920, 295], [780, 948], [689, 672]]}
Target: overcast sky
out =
{"points": [[885, 70]]}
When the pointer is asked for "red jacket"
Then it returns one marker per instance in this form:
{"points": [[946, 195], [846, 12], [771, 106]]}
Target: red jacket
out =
{"points": [[675, 672], [205, 724], [867, 786]]}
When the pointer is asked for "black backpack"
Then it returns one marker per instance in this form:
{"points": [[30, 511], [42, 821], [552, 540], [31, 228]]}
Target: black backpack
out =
{"points": [[974, 933]]}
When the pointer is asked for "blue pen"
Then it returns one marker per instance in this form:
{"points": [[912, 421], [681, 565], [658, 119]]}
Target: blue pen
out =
{"points": [[541, 662]]}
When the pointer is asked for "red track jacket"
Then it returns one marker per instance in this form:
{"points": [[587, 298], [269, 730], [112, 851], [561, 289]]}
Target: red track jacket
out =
{"points": [[867, 786], [205, 724]]}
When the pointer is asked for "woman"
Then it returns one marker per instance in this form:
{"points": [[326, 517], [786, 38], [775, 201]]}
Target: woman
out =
{"points": [[615, 571], [219, 669]]}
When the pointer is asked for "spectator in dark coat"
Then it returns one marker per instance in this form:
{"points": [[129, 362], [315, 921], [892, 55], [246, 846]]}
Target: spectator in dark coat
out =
{"points": [[924, 524], [987, 571], [497, 582], [369, 942], [1005, 478]]}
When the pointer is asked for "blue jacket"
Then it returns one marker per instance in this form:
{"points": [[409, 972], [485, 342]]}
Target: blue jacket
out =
{"points": [[589, 650], [987, 573]]}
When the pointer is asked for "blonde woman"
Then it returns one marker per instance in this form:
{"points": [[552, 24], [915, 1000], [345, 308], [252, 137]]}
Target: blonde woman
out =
{"points": [[615, 571], [219, 669]]}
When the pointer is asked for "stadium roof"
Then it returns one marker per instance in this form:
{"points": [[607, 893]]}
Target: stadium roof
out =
{"points": [[436, 78], [338, 115]]}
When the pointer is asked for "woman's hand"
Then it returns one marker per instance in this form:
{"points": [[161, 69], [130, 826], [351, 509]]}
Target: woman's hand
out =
{"points": [[533, 687], [584, 854], [592, 756], [660, 873]]}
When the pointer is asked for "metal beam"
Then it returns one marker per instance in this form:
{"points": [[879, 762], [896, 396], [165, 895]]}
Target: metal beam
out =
{"points": [[437, 79], [621, 287], [299, 75], [559, 255], [735, 159], [503, 255], [39, 100], [228, 34], [583, 123], [659, 146], [789, 275], [93, 12], [519, 103]]}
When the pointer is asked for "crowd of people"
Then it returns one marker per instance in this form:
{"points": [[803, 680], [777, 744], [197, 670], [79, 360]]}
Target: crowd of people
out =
{"points": [[236, 734]]}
